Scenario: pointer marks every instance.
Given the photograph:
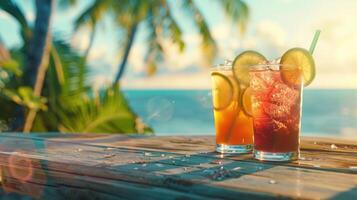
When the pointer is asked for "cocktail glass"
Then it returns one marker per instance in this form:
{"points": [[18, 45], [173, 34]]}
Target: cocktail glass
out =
{"points": [[234, 127], [276, 110]]}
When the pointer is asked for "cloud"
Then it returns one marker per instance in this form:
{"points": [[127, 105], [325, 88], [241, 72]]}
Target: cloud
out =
{"points": [[334, 81], [173, 61], [335, 53], [100, 81], [136, 58], [80, 40], [198, 80], [271, 32], [176, 60], [286, 1], [270, 38]]}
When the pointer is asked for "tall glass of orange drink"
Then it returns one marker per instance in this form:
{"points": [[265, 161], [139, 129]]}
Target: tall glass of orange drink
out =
{"points": [[233, 123]]}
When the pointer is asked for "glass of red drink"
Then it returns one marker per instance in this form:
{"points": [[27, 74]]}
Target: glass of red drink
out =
{"points": [[276, 110]]}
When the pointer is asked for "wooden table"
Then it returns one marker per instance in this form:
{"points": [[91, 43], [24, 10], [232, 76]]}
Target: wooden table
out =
{"points": [[55, 166]]}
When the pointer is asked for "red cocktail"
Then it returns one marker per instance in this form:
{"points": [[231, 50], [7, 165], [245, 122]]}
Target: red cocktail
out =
{"points": [[276, 109]]}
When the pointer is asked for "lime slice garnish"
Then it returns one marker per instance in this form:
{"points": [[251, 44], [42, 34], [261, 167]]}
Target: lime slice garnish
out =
{"points": [[222, 90], [246, 101], [243, 62], [295, 64]]}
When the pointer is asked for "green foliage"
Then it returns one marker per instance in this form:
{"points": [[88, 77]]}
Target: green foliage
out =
{"points": [[160, 23], [67, 103], [11, 66], [237, 11], [74, 107], [106, 112], [24, 96]]}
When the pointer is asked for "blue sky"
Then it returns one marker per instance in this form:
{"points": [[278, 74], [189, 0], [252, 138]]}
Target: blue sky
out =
{"points": [[274, 27]]}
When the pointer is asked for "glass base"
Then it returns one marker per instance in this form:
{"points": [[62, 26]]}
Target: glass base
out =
{"points": [[223, 148], [270, 156]]}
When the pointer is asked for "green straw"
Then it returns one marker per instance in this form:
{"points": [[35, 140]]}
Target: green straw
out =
{"points": [[314, 41]]}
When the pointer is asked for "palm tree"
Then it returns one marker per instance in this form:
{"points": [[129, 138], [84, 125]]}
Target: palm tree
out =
{"points": [[64, 103], [38, 53], [37, 50], [128, 15]]}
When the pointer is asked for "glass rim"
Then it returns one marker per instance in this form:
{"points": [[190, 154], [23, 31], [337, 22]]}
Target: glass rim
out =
{"points": [[226, 66], [267, 66], [221, 67]]}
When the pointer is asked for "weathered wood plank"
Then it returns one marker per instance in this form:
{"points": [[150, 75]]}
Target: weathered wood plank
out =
{"points": [[183, 166]]}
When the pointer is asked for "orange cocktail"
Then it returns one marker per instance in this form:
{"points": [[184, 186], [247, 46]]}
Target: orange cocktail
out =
{"points": [[234, 125]]}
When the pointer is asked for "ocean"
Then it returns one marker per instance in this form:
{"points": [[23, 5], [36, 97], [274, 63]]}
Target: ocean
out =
{"points": [[189, 112]]}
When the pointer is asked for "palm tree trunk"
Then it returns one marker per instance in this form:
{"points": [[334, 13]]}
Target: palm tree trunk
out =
{"points": [[129, 44], [37, 45], [38, 54]]}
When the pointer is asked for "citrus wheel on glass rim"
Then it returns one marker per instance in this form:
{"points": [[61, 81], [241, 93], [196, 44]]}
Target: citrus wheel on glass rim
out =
{"points": [[242, 63], [246, 101], [297, 64], [222, 91]]}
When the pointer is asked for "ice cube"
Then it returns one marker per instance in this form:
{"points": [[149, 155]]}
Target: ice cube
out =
{"points": [[276, 111], [263, 80], [283, 94]]}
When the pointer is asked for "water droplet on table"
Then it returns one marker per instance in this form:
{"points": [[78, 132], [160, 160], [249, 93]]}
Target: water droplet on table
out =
{"points": [[236, 168], [218, 162], [208, 171], [333, 146], [109, 155], [221, 174], [272, 181], [159, 165], [162, 155], [147, 154], [108, 148]]}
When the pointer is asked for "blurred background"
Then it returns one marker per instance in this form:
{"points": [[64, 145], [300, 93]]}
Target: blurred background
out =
{"points": [[142, 66]]}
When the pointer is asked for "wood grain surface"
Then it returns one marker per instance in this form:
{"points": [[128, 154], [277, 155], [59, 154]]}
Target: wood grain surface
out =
{"points": [[86, 166]]}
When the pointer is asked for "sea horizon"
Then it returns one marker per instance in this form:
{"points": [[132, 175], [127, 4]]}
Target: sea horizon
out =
{"points": [[326, 112]]}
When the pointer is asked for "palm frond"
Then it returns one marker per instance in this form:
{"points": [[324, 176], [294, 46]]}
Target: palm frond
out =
{"points": [[91, 15], [107, 112], [64, 4], [174, 29], [237, 11], [155, 50], [70, 70], [14, 10], [7, 63], [209, 46]]}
